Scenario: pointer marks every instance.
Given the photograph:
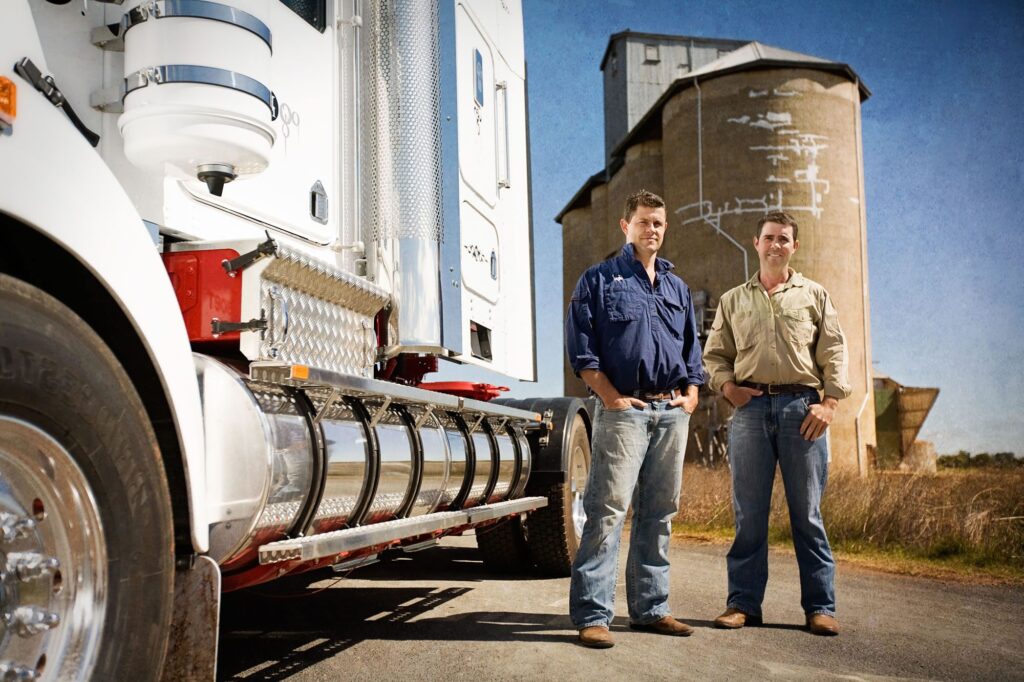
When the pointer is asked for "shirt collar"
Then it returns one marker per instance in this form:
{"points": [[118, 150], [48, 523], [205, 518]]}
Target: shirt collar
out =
{"points": [[660, 264], [795, 280]]}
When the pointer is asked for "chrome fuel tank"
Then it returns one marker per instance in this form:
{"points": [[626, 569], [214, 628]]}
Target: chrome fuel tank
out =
{"points": [[284, 462], [259, 458]]}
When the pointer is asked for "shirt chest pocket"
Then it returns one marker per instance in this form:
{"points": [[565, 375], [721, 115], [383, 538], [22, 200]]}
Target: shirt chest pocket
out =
{"points": [[621, 304], [797, 325]]}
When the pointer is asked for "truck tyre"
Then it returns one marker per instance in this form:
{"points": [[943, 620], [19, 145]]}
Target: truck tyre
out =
{"points": [[85, 513], [554, 531], [503, 546]]}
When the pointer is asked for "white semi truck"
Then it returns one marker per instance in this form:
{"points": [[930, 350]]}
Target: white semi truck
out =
{"points": [[235, 235]]}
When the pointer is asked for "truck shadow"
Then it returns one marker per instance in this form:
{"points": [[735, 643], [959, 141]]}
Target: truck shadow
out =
{"points": [[273, 632]]}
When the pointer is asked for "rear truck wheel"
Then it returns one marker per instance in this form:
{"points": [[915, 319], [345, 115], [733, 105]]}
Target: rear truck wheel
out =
{"points": [[86, 534], [554, 531], [503, 546]]}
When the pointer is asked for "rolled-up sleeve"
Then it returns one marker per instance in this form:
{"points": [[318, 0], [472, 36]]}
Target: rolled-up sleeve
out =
{"points": [[830, 353], [720, 351], [581, 342]]}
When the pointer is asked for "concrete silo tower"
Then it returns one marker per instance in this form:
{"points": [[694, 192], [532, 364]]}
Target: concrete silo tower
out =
{"points": [[759, 129]]}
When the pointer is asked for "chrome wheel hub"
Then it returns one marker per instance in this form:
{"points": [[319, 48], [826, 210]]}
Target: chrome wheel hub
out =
{"points": [[53, 562], [577, 486]]}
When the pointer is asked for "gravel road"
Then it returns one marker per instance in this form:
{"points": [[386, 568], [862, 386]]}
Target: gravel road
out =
{"points": [[438, 615]]}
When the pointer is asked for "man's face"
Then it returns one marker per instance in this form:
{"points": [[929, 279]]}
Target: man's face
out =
{"points": [[646, 229], [775, 246]]}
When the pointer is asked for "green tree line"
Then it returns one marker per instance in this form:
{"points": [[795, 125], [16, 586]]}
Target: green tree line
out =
{"points": [[965, 460]]}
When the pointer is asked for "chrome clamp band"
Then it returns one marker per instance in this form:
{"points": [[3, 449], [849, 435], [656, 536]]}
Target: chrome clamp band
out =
{"points": [[197, 9], [203, 75]]}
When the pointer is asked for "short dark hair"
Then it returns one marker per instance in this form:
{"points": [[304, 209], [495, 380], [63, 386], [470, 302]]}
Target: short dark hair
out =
{"points": [[780, 217], [641, 198]]}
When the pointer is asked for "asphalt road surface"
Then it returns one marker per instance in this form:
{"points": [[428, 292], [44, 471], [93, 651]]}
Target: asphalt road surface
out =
{"points": [[438, 615]]}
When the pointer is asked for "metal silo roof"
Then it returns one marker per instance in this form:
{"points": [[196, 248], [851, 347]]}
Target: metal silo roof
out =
{"points": [[754, 52], [752, 56]]}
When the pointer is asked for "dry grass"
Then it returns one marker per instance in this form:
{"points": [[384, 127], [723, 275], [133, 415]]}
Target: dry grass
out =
{"points": [[961, 519]]}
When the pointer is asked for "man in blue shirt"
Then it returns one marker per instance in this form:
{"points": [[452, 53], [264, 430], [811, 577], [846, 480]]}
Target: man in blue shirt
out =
{"points": [[631, 336]]}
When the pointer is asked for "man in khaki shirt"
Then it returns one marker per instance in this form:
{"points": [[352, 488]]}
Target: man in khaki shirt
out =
{"points": [[775, 343]]}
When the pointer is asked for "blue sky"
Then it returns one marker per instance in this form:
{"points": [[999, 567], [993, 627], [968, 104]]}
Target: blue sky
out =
{"points": [[944, 174]]}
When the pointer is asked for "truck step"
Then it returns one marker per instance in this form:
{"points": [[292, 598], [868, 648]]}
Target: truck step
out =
{"points": [[351, 539]]}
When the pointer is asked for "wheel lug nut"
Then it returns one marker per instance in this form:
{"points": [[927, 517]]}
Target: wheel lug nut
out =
{"points": [[30, 566], [12, 672], [13, 527], [30, 620]]}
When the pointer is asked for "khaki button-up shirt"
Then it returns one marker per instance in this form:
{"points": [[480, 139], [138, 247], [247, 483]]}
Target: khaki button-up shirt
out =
{"points": [[790, 337]]}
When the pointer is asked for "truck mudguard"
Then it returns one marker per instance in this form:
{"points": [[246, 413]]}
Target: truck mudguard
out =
{"points": [[52, 181]]}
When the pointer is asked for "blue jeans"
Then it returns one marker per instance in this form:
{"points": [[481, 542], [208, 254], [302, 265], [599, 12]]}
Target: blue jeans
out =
{"points": [[765, 431], [636, 455]]}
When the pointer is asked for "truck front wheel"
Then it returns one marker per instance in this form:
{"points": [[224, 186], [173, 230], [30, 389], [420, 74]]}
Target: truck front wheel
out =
{"points": [[86, 535]]}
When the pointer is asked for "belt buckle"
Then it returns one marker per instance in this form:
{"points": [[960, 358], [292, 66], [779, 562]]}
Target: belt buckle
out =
{"points": [[771, 392], [651, 396]]}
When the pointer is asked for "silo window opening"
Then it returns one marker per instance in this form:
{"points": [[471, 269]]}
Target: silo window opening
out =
{"points": [[651, 54]]}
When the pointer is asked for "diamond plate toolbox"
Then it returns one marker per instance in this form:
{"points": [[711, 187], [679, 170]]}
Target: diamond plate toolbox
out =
{"points": [[315, 314], [293, 308]]}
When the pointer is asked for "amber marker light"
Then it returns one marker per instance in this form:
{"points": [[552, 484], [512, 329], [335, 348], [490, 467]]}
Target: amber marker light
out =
{"points": [[8, 100], [300, 372]]}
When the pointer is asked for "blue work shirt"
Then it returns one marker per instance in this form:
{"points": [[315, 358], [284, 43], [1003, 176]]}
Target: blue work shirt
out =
{"points": [[643, 337]]}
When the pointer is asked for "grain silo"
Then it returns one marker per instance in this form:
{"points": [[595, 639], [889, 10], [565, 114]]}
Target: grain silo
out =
{"points": [[758, 129]]}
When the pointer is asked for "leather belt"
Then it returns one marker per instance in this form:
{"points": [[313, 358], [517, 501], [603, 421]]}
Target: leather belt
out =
{"points": [[651, 396], [777, 389]]}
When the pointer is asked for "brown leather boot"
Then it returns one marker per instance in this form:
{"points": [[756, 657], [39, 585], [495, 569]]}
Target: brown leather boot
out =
{"points": [[596, 637], [821, 624], [734, 619], [666, 626]]}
